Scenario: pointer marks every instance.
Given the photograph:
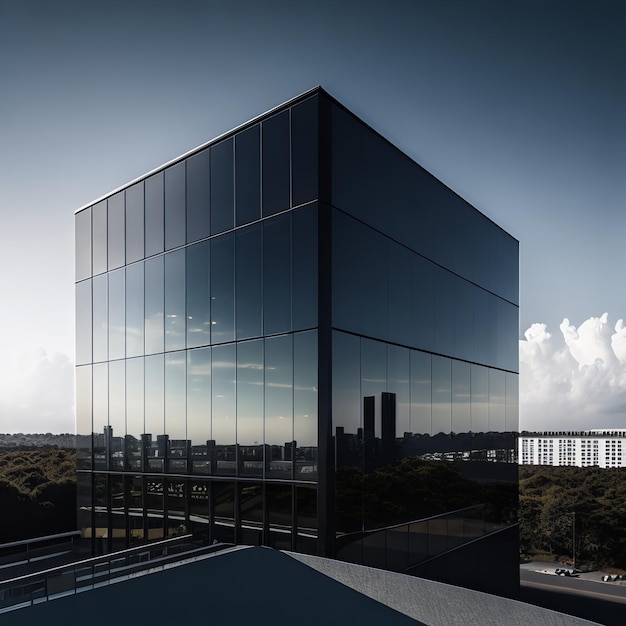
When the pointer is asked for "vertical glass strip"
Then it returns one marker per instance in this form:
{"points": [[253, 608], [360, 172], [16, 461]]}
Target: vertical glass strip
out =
{"points": [[83, 244]]}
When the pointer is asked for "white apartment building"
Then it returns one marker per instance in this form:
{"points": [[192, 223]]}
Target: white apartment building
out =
{"points": [[587, 448]]}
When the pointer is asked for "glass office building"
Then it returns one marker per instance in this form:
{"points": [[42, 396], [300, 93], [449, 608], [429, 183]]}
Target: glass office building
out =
{"points": [[295, 336]]}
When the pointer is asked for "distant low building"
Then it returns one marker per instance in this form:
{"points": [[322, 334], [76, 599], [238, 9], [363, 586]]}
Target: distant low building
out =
{"points": [[581, 448]]}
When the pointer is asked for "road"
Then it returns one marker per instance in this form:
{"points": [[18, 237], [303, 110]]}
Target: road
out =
{"points": [[587, 596]]}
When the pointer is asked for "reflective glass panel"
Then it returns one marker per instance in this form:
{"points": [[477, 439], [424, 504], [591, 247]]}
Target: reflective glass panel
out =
{"points": [[100, 397], [497, 400], [374, 547], [177, 497], [463, 319], [174, 204], [354, 149], [399, 288], [84, 426], [464, 251], [421, 392], [251, 506], [346, 382], [350, 439], [279, 404], [134, 310], [154, 396], [280, 508], [84, 494], [198, 299], [82, 225], [155, 505], [461, 398], [117, 521], [154, 214], [508, 259], [222, 187], [175, 300], [117, 315], [248, 175], [276, 164], [480, 398], [199, 400], [305, 404], [248, 288], [250, 407], [512, 403], [134, 412], [398, 383], [397, 548], [136, 509], [223, 413], [442, 211], [99, 237], [304, 268], [304, 151], [154, 305], [117, 412], [444, 311], [199, 505], [222, 289], [374, 376], [175, 400], [507, 335], [115, 231], [422, 303], [437, 539], [277, 275], [100, 312], [102, 517], [441, 395], [83, 322], [223, 517], [485, 233], [485, 324], [250, 392], [359, 278], [198, 196], [306, 512], [134, 223]]}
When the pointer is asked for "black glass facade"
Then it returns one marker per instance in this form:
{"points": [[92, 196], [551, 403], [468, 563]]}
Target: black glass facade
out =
{"points": [[295, 336]]}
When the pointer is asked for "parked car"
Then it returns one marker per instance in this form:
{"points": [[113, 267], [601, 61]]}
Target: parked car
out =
{"points": [[564, 571]]}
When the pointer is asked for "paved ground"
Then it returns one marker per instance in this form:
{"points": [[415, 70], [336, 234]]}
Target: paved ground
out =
{"points": [[434, 603], [585, 596]]}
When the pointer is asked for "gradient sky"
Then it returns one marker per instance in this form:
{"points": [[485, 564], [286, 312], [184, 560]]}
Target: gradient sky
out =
{"points": [[518, 106]]}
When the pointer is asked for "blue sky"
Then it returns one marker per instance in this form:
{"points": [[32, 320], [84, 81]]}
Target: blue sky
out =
{"points": [[517, 106]]}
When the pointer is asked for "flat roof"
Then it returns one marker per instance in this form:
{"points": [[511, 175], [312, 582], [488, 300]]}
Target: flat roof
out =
{"points": [[206, 144]]}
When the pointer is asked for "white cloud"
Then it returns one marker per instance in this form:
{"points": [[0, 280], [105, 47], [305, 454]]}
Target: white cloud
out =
{"points": [[37, 392], [575, 381]]}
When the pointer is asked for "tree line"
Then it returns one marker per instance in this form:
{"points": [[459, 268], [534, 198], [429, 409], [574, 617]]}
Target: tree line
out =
{"points": [[37, 492], [562, 509]]}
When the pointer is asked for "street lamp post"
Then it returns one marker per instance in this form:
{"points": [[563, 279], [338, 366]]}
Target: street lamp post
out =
{"points": [[574, 539]]}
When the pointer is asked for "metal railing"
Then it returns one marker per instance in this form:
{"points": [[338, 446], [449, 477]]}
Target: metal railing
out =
{"points": [[401, 547], [37, 550], [96, 572]]}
